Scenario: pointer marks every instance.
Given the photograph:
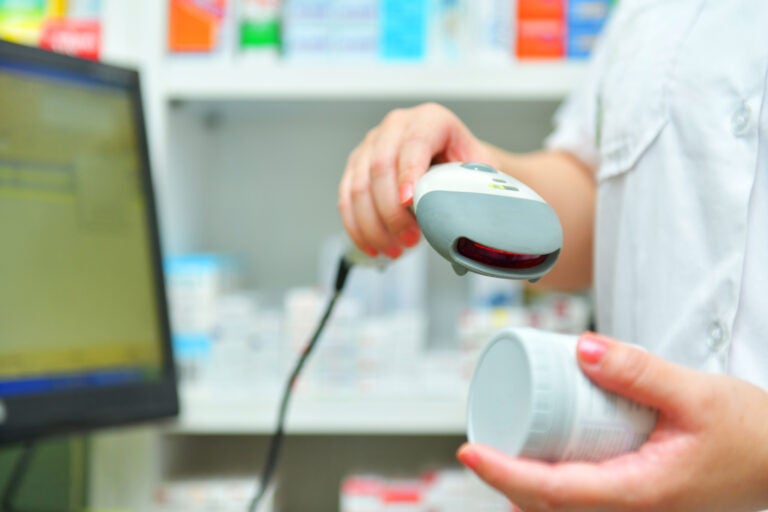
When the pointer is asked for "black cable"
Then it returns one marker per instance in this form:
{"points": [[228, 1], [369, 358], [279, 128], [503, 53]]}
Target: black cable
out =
{"points": [[18, 472], [277, 437]]}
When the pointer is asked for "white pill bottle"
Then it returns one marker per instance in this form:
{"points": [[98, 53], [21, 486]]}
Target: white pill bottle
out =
{"points": [[529, 398]]}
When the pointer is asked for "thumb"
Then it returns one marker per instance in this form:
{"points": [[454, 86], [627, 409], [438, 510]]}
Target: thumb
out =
{"points": [[634, 373]]}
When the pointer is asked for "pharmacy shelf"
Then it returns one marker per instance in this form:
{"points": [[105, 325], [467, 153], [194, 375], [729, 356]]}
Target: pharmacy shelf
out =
{"points": [[351, 415], [199, 80]]}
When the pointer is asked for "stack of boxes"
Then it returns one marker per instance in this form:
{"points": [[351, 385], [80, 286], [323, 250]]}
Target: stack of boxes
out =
{"points": [[389, 30], [557, 29]]}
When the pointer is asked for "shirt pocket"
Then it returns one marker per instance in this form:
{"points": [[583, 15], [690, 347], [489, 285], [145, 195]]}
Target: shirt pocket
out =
{"points": [[633, 96]]}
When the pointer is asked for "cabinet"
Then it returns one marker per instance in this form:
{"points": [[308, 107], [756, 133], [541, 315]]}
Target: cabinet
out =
{"points": [[247, 159]]}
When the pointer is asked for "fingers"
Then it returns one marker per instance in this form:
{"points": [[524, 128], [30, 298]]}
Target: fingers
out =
{"points": [[636, 374], [534, 485], [397, 219], [357, 160], [379, 180]]}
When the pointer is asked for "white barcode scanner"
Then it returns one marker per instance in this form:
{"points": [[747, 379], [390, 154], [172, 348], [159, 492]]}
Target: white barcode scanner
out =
{"points": [[484, 221], [487, 222]]}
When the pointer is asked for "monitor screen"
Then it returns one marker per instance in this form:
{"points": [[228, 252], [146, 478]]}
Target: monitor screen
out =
{"points": [[84, 336]]}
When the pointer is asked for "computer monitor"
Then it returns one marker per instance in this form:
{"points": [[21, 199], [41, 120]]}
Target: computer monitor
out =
{"points": [[84, 331]]}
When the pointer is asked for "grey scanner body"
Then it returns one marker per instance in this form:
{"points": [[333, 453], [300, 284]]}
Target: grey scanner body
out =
{"points": [[513, 223]]}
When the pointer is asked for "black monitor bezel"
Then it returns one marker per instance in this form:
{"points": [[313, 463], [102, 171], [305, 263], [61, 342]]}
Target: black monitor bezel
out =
{"points": [[27, 417]]}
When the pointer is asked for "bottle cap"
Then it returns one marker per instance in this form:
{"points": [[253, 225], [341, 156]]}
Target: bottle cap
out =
{"points": [[520, 399]]}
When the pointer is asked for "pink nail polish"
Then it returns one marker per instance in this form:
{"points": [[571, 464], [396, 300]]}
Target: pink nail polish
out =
{"points": [[370, 252], [394, 252], [410, 238], [406, 194], [591, 348]]}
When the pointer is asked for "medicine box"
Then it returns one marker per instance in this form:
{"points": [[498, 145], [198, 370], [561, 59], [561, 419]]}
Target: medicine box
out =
{"points": [[195, 25], [540, 29]]}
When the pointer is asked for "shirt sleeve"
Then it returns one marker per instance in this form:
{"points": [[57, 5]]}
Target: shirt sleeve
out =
{"points": [[577, 120]]}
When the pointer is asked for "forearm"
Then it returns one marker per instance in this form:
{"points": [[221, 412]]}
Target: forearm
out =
{"points": [[568, 185]]}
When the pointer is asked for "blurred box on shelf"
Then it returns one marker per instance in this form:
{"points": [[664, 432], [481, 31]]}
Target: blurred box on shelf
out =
{"points": [[404, 30], [358, 353], [197, 26], [447, 31], [490, 25], [581, 41], [445, 490], [76, 37], [82, 9], [541, 29], [330, 30], [210, 495], [258, 27], [248, 355], [586, 20], [22, 20], [195, 283], [399, 285]]}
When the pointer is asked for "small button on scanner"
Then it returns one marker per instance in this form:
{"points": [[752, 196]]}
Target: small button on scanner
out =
{"points": [[475, 166]]}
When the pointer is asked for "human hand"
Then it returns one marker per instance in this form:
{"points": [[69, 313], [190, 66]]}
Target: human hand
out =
{"points": [[708, 452], [377, 186]]}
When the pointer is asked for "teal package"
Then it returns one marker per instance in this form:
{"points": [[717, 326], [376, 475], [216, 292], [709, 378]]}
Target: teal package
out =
{"points": [[403, 30]]}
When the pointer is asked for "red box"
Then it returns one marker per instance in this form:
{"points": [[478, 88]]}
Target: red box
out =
{"points": [[79, 38], [540, 39], [541, 29], [541, 9]]}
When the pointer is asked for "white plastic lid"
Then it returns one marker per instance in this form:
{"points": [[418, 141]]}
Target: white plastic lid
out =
{"points": [[519, 398], [500, 397]]}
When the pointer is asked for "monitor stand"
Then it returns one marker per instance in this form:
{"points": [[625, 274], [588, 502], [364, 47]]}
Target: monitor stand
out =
{"points": [[16, 478]]}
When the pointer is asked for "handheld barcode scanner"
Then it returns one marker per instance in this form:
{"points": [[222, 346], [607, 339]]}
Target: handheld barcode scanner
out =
{"points": [[487, 222], [478, 219], [483, 221]]}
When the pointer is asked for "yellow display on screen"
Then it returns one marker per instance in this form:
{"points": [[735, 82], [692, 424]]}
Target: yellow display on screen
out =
{"points": [[77, 287]]}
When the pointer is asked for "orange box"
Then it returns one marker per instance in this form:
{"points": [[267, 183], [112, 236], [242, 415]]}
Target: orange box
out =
{"points": [[541, 9], [194, 25], [540, 39]]}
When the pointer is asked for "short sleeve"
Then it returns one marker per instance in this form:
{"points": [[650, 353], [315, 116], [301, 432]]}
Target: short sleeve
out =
{"points": [[577, 120]]}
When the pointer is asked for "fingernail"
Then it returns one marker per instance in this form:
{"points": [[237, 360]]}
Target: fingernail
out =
{"points": [[406, 194], [410, 237], [394, 252], [468, 457], [370, 252], [591, 348]]}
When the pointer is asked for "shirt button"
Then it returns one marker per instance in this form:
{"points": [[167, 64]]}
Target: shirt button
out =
{"points": [[741, 121], [718, 336]]}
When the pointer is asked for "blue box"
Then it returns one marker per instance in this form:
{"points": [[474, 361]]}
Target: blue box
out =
{"points": [[403, 30], [588, 13], [580, 41], [585, 22]]}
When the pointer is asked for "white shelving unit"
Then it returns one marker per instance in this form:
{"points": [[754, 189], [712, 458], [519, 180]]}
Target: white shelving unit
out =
{"points": [[329, 415], [198, 81], [244, 153]]}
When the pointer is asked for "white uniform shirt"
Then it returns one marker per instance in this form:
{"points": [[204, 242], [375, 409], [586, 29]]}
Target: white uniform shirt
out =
{"points": [[673, 117]]}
